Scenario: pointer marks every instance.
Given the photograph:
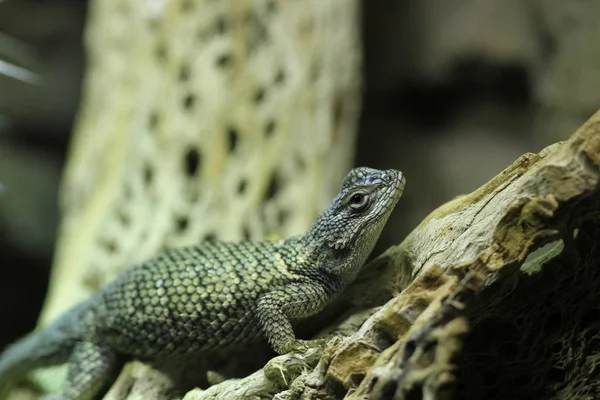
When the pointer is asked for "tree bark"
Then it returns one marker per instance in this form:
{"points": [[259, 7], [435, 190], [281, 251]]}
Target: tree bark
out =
{"points": [[502, 300]]}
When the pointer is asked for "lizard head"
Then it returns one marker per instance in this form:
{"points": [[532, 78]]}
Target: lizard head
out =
{"points": [[353, 222]]}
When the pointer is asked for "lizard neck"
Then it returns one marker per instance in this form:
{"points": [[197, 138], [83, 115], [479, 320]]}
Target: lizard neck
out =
{"points": [[341, 262], [321, 251]]}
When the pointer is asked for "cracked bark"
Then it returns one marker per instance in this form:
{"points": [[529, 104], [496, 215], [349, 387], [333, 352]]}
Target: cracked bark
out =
{"points": [[463, 261]]}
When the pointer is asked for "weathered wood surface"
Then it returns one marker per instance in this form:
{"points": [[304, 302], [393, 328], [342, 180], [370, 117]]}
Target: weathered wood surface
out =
{"points": [[470, 251]]}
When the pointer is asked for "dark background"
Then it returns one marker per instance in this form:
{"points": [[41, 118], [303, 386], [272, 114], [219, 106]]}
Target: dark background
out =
{"points": [[454, 91]]}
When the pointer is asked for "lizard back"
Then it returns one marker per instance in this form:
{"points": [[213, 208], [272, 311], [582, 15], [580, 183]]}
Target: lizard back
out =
{"points": [[193, 299]]}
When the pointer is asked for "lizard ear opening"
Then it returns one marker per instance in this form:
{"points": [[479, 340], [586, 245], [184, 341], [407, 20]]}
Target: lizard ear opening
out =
{"points": [[344, 241], [339, 244]]}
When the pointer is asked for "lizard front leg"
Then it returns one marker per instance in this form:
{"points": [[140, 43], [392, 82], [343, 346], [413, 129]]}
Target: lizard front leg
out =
{"points": [[276, 309]]}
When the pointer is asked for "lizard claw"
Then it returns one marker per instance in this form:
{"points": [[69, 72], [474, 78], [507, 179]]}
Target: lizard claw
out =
{"points": [[301, 346]]}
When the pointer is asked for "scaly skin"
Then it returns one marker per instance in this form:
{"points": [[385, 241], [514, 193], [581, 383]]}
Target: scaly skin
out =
{"points": [[187, 302]]}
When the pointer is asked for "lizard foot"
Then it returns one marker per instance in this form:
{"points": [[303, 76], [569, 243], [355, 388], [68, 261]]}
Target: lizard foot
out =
{"points": [[301, 346]]}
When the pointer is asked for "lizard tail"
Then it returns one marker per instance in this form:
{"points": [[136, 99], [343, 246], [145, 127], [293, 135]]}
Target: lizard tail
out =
{"points": [[48, 346]]}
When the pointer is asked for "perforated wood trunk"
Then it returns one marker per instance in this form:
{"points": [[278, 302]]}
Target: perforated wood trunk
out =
{"points": [[228, 119]]}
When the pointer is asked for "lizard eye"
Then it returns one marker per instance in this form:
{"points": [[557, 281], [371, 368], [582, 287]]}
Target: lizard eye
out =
{"points": [[358, 201]]}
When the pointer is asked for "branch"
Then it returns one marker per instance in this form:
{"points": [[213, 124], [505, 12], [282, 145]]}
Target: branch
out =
{"points": [[468, 253]]}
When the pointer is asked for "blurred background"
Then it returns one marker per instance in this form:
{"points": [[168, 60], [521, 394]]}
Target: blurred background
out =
{"points": [[454, 91]]}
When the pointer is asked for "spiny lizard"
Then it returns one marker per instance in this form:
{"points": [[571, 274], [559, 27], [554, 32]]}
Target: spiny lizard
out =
{"points": [[191, 300]]}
